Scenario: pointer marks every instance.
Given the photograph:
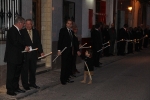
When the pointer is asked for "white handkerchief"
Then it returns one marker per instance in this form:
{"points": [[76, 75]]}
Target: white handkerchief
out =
{"points": [[30, 48]]}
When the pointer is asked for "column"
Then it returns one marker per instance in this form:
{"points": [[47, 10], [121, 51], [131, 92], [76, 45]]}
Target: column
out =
{"points": [[46, 29]]}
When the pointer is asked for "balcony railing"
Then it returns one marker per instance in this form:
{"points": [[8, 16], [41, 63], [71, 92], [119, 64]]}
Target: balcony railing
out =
{"points": [[9, 10]]}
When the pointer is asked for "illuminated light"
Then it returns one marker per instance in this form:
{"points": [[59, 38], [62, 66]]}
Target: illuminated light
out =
{"points": [[130, 8]]}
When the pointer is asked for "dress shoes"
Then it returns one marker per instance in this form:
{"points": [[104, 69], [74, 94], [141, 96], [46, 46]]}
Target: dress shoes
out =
{"points": [[73, 75], [34, 86], [11, 93], [98, 66], [100, 63], [77, 71], [27, 88], [63, 83], [20, 91], [69, 81]]}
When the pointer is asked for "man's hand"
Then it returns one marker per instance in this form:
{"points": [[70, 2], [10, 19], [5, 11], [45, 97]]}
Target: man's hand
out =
{"points": [[27, 48], [42, 54], [78, 53], [80, 45], [59, 53]]}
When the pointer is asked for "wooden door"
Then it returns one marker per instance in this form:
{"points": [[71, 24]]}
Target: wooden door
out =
{"points": [[36, 14]]}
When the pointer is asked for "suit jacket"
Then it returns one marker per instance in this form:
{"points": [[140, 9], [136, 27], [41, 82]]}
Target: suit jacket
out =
{"points": [[96, 39], [35, 43], [106, 36], [112, 34], [122, 34], [65, 40], [14, 47]]}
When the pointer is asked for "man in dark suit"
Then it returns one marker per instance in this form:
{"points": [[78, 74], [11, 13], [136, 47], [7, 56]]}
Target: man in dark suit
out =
{"points": [[14, 56], [96, 40], [113, 37], [66, 39], [130, 37], [146, 34], [122, 35], [32, 39]]}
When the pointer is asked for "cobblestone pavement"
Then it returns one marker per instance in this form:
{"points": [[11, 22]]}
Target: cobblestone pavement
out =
{"points": [[109, 80]]}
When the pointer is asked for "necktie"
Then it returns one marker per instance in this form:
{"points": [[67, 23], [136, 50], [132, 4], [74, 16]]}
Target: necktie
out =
{"points": [[70, 33], [30, 34]]}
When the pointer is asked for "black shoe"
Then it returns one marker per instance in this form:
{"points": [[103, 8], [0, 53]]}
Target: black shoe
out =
{"points": [[63, 83], [70, 81], [100, 63], [35, 86], [98, 66], [27, 88], [73, 75], [11, 93], [20, 91], [77, 71]]}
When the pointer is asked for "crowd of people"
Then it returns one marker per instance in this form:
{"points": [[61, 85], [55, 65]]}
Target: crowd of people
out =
{"points": [[103, 41]]}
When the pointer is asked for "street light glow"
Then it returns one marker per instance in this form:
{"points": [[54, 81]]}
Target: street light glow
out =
{"points": [[130, 8]]}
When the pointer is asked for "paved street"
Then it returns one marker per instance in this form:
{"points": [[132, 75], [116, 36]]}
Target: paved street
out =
{"points": [[126, 79], [120, 78]]}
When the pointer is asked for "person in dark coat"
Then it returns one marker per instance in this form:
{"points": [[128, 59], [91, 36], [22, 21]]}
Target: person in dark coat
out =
{"points": [[122, 36], [32, 39], [146, 34], [89, 61], [141, 36], [96, 41], [106, 38], [137, 37], [66, 39], [130, 37], [113, 37], [14, 56]]}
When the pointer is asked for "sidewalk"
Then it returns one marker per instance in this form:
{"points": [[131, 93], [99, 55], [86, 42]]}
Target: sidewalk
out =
{"points": [[51, 78]]}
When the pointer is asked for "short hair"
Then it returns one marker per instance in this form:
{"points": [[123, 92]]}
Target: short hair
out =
{"points": [[125, 25], [90, 52], [69, 20], [19, 19], [98, 25], [29, 20]]}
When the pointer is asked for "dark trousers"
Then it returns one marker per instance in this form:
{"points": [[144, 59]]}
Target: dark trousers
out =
{"points": [[130, 47], [106, 51], [140, 44], [137, 47], [66, 65], [145, 43], [13, 74], [111, 48], [74, 58], [96, 57], [29, 71], [121, 48]]}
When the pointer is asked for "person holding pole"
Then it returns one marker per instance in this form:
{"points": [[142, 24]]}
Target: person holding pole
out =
{"points": [[96, 41], [66, 39], [32, 39], [88, 66]]}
